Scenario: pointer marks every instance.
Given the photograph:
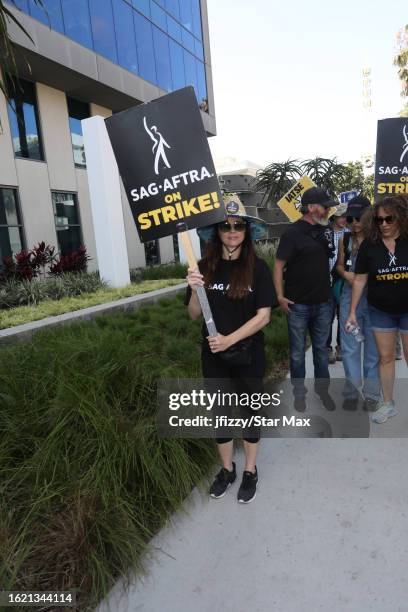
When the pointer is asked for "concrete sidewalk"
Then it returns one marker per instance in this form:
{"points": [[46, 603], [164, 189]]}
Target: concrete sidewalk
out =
{"points": [[327, 531]]}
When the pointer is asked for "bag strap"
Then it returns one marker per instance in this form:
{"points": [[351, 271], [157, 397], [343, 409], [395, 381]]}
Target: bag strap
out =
{"points": [[347, 249]]}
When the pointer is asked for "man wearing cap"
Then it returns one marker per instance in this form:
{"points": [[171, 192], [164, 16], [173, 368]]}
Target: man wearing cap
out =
{"points": [[303, 255]]}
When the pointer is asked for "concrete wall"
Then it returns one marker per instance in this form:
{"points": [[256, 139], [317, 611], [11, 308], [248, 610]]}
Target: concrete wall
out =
{"points": [[35, 201], [53, 115], [166, 249]]}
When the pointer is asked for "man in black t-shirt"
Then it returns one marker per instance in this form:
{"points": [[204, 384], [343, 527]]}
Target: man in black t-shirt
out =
{"points": [[302, 260]]}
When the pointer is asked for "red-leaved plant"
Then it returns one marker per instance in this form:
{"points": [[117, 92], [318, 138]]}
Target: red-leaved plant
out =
{"points": [[76, 261], [26, 265], [43, 254], [20, 267]]}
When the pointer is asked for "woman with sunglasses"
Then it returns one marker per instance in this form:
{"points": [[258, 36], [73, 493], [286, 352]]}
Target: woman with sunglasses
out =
{"points": [[351, 349], [382, 264], [240, 293]]}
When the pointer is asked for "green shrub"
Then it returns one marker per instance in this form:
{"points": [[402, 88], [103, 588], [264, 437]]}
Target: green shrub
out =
{"points": [[53, 307], [27, 292], [267, 251], [170, 270], [86, 481]]}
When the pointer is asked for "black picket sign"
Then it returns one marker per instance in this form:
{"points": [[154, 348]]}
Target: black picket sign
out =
{"points": [[391, 163], [165, 162]]}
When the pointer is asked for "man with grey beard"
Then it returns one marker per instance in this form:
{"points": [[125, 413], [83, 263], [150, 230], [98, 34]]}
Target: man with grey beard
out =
{"points": [[303, 262]]}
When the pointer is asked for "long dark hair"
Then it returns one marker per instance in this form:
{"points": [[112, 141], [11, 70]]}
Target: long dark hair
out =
{"points": [[394, 205], [241, 275]]}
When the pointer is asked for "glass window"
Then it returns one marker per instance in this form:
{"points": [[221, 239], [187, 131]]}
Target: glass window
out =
{"points": [[188, 41], [51, 14], [24, 122], [143, 6], [162, 3], [196, 16], [125, 35], [176, 247], [77, 21], [152, 252], [172, 6], [163, 69], [177, 65], [190, 70], [174, 29], [22, 5], [186, 16], [202, 86], [66, 221], [103, 29], [77, 110], [11, 229], [199, 51], [158, 16], [145, 49]]}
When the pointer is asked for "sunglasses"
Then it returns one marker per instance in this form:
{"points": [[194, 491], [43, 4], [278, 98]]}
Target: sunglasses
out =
{"points": [[237, 226], [351, 219], [388, 220]]}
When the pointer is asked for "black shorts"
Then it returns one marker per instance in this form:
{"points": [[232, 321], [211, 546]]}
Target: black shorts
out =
{"points": [[238, 379]]}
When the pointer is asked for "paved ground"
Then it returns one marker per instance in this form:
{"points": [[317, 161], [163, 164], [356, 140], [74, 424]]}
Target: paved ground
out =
{"points": [[327, 531]]}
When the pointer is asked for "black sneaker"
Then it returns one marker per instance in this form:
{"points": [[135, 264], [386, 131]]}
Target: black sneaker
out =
{"points": [[350, 404], [332, 356], [247, 490], [222, 481], [370, 404], [300, 404]]}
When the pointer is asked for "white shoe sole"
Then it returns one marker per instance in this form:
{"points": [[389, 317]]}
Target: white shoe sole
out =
{"points": [[388, 416], [241, 501], [219, 496]]}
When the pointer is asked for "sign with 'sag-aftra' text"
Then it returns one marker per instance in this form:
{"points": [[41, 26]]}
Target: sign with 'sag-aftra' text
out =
{"points": [[391, 160], [166, 166]]}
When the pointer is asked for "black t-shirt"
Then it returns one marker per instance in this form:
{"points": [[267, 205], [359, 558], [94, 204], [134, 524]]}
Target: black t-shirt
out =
{"points": [[387, 275], [229, 314], [307, 249]]}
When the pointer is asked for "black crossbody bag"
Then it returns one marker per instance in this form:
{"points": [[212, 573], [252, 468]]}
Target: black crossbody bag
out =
{"points": [[238, 354]]}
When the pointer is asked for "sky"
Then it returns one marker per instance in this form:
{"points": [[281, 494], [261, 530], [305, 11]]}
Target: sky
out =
{"points": [[288, 77]]}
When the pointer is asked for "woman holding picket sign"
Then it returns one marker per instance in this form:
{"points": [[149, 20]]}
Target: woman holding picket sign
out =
{"points": [[351, 349], [382, 265], [241, 294]]}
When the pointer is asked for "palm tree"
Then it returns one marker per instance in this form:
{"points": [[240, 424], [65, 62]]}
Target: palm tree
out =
{"points": [[8, 65], [401, 60], [324, 172], [276, 179]]}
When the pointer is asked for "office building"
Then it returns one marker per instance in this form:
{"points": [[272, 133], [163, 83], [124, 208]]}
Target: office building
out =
{"points": [[88, 57]]}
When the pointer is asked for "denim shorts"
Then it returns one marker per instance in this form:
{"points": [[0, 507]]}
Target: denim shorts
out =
{"points": [[385, 322]]}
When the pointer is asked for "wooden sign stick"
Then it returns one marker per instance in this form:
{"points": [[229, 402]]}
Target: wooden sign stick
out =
{"points": [[201, 294]]}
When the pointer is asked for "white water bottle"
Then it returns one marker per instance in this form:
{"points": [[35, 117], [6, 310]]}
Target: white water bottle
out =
{"points": [[355, 331]]}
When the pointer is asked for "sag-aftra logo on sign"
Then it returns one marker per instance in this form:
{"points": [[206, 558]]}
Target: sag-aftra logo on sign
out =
{"points": [[391, 162], [166, 166]]}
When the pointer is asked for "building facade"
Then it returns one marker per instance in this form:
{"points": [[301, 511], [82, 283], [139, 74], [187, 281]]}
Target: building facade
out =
{"points": [[88, 57]]}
